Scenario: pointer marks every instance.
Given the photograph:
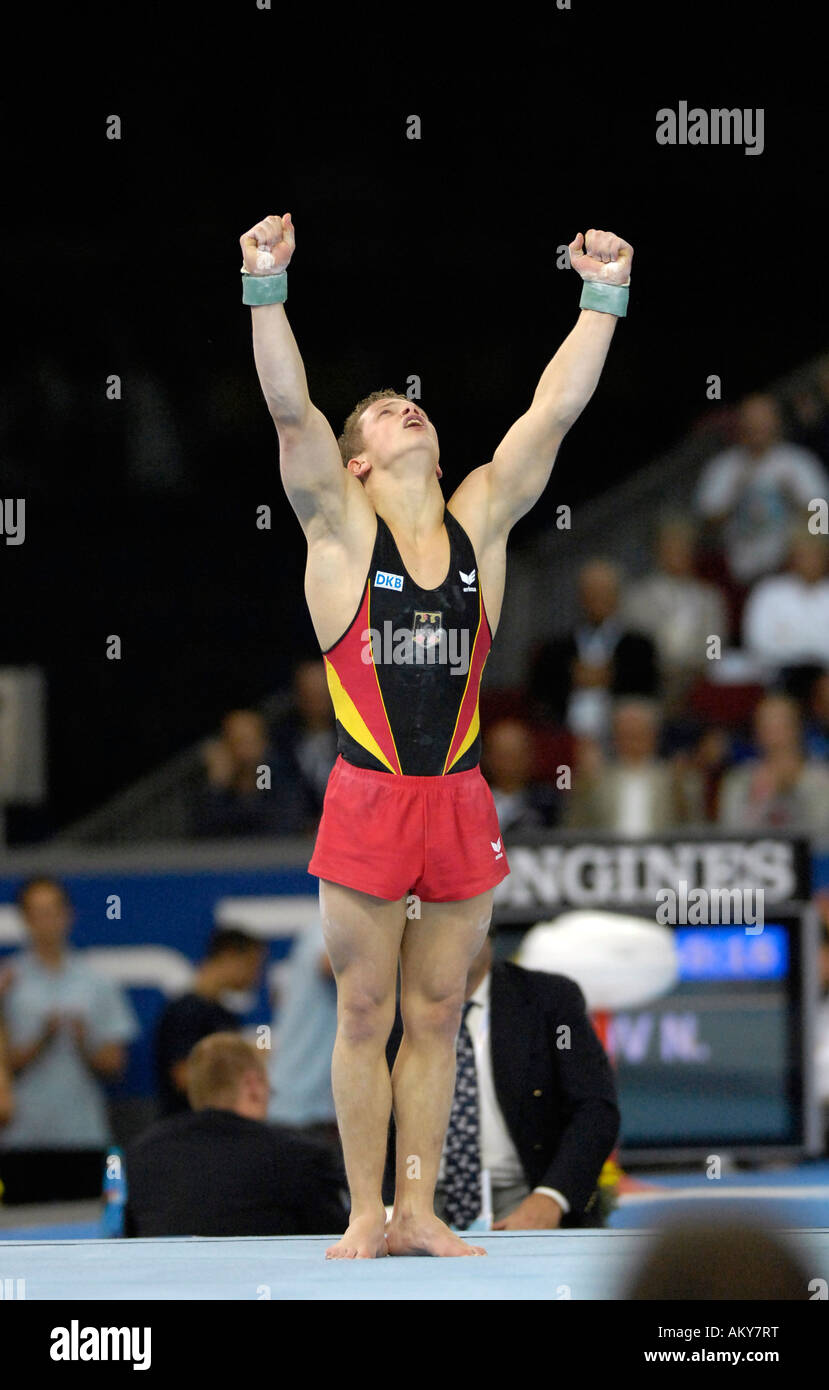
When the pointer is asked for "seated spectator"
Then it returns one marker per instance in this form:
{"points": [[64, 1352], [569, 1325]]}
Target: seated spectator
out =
{"points": [[547, 1116], [67, 1029], [575, 678], [521, 803], [779, 789], [233, 961], [816, 738], [220, 1170], [236, 799], [634, 792], [676, 610], [786, 617], [811, 412], [753, 492], [712, 752]]}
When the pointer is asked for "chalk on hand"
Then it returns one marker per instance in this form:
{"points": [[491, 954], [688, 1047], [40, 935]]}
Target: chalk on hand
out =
{"points": [[264, 260]]}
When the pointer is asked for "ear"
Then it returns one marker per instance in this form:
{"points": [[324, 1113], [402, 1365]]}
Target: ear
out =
{"points": [[360, 468]]}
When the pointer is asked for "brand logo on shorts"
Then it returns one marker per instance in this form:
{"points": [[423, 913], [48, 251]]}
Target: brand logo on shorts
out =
{"points": [[496, 845], [468, 581], [382, 580]]}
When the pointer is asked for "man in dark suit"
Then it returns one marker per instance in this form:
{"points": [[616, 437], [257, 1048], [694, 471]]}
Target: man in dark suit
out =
{"points": [[219, 1170], [534, 1095]]}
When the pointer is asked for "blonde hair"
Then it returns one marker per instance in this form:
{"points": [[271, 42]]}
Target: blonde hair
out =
{"points": [[216, 1067]]}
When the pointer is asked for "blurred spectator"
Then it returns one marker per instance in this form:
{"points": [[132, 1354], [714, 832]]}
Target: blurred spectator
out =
{"points": [[220, 1170], [307, 736], [234, 801], [755, 490], [575, 678], [233, 961], [710, 755], [676, 610], [822, 1023], [67, 1030], [6, 1093], [780, 789], [635, 792], [786, 618], [718, 1259], [521, 803], [816, 738], [811, 412], [303, 1043]]}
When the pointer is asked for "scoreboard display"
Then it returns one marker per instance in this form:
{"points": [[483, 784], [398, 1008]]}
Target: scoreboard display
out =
{"points": [[721, 1062]]}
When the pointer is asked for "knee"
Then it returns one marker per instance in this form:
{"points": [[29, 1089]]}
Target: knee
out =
{"points": [[432, 1016], [365, 1018]]}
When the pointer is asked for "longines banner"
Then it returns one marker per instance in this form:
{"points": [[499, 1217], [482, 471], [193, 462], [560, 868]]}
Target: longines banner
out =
{"points": [[550, 875]]}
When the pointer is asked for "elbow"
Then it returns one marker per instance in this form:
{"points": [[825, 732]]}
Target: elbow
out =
{"points": [[290, 418], [110, 1063]]}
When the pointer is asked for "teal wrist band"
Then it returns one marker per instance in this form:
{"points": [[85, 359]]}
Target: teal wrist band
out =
{"points": [[608, 299], [264, 289]]}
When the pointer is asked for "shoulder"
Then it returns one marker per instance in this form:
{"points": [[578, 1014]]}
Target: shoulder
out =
{"points": [[816, 774], [469, 506], [182, 1007], [640, 590], [80, 968], [723, 462], [541, 984], [171, 1128], [775, 586], [796, 456]]}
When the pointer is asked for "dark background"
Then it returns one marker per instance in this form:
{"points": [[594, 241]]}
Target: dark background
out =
{"points": [[433, 257]]}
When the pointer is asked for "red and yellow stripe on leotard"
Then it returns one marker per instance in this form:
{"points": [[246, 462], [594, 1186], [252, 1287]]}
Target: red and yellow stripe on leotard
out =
{"points": [[468, 721], [356, 695]]}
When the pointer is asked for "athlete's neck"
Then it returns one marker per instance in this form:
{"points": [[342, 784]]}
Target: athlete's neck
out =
{"points": [[412, 507]]}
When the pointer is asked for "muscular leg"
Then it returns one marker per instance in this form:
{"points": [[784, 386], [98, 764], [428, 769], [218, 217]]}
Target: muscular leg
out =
{"points": [[362, 936], [435, 957]]}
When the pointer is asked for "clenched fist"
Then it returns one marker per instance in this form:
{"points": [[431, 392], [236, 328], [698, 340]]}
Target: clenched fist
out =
{"points": [[601, 256], [268, 247]]}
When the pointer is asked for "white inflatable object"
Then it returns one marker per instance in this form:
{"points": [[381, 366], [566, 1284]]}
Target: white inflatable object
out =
{"points": [[619, 962]]}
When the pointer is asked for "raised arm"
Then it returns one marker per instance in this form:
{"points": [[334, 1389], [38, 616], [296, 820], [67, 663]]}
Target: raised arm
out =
{"points": [[317, 485], [512, 482]]}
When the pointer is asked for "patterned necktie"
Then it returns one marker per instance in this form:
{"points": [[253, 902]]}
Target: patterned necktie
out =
{"points": [[462, 1158]]}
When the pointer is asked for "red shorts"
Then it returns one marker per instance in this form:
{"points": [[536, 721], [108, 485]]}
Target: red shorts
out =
{"points": [[391, 836]]}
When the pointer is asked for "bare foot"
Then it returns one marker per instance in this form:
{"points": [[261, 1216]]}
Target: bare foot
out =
{"points": [[364, 1240], [425, 1235]]}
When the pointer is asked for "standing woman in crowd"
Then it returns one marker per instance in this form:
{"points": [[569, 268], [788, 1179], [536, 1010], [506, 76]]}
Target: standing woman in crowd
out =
{"points": [[6, 1096]]}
